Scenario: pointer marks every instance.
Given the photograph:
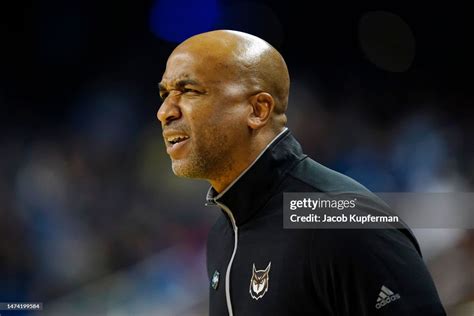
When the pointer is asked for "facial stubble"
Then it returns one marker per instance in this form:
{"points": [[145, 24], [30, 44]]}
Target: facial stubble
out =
{"points": [[209, 158]]}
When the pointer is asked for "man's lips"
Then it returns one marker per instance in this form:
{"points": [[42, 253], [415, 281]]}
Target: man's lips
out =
{"points": [[174, 137], [175, 142], [177, 150]]}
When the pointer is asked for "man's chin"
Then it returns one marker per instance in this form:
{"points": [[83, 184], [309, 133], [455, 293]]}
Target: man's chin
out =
{"points": [[184, 169]]}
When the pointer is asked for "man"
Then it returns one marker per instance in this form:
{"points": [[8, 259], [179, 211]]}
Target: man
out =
{"points": [[225, 94]]}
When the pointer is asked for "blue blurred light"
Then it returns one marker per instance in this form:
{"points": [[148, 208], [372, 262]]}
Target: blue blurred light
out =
{"points": [[176, 21]]}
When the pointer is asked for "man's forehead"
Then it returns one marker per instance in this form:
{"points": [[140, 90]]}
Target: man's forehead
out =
{"points": [[189, 61], [183, 67], [200, 62], [197, 78]]}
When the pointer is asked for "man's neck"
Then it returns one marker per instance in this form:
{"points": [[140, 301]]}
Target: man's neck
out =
{"points": [[223, 184]]}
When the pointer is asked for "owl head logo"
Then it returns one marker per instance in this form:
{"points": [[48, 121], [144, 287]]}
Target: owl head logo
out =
{"points": [[259, 282]]}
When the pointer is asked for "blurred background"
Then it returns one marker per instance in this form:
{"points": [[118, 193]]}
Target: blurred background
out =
{"points": [[92, 220]]}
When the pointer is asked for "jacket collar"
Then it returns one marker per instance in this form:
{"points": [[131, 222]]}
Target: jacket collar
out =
{"points": [[255, 185]]}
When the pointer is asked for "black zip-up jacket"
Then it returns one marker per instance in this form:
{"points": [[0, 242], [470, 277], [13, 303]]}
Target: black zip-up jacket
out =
{"points": [[256, 267]]}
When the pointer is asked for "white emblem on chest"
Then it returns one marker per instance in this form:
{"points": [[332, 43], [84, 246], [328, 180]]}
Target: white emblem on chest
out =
{"points": [[259, 282]]}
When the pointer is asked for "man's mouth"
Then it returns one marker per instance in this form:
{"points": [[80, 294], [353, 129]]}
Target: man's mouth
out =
{"points": [[176, 139], [176, 143]]}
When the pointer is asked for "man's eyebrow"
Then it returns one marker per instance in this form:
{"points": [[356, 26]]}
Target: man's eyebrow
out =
{"points": [[180, 84]]}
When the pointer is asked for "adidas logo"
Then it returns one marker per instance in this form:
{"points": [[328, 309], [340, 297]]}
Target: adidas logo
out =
{"points": [[386, 297]]}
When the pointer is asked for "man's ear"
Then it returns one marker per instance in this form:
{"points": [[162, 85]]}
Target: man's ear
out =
{"points": [[262, 105]]}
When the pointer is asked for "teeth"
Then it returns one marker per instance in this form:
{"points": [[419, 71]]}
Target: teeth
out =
{"points": [[176, 139]]}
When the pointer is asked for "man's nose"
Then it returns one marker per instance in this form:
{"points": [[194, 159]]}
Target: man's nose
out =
{"points": [[168, 111]]}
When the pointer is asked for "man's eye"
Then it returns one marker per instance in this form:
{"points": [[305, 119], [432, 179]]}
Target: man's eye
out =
{"points": [[186, 90]]}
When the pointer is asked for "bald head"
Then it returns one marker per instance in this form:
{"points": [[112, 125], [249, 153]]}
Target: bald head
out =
{"points": [[249, 59]]}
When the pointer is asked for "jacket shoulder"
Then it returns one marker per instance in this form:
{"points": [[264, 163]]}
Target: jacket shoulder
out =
{"points": [[354, 265], [323, 179]]}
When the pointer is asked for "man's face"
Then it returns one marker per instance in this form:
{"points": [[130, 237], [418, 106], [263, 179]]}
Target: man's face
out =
{"points": [[203, 115]]}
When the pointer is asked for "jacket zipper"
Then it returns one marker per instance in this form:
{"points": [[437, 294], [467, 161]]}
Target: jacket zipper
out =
{"points": [[229, 265]]}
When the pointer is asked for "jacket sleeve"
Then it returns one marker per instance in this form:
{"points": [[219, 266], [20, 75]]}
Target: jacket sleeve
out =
{"points": [[371, 272]]}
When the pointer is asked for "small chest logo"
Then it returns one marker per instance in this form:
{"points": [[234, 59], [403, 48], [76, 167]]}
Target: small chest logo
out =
{"points": [[259, 282], [215, 280]]}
